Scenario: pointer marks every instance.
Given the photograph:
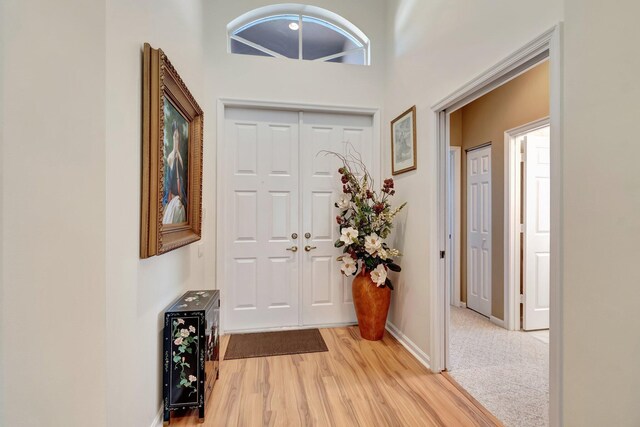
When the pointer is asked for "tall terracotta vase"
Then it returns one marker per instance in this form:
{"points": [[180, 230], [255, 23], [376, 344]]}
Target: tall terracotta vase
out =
{"points": [[372, 306]]}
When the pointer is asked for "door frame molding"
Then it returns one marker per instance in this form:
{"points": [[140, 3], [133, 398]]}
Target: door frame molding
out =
{"points": [[512, 215], [456, 230], [220, 174], [548, 45]]}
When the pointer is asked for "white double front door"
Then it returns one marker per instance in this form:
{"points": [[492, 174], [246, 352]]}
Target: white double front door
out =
{"points": [[279, 261]]}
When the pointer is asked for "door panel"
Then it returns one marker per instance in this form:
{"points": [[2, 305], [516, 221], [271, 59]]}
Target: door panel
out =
{"points": [[326, 292], [262, 199], [537, 220], [276, 180], [479, 230]]}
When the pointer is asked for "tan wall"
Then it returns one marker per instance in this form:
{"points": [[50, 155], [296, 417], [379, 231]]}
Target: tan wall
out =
{"points": [[522, 100], [455, 129]]}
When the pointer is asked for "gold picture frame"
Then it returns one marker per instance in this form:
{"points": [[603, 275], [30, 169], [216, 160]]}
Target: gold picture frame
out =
{"points": [[404, 149], [171, 214]]}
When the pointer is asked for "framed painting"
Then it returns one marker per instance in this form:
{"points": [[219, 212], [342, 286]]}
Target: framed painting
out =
{"points": [[172, 132], [403, 142]]}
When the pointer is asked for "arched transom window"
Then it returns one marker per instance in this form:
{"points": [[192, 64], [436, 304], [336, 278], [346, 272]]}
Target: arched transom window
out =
{"points": [[298, 32]]}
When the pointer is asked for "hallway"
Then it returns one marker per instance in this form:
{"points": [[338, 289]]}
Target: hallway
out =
{"points": [[355, 383], [506, 371]]}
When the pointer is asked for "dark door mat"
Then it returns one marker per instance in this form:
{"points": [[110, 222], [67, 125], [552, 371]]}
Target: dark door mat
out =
{"points": [[263, 344]]}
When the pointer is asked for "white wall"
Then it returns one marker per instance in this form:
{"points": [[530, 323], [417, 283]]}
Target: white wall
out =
{"points": [[283, 80], [138, 290], [53, 212], [434, 48], [601, 226]]}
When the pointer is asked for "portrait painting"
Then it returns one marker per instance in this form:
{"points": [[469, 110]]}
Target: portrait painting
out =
{"points": [[403, 142], [175, 200], [172, 135]]}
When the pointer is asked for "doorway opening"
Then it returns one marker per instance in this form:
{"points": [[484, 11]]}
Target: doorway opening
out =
{"points": [[527, 226], [502, 318], [503, 368]]}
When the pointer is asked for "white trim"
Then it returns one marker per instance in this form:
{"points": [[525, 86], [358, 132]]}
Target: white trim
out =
{"points": [[462, 304], [547, 45], [256, 46], [411, 347], [512, 217], [440, 307], [556, 72], [221, 214], [338, 55], [291, 328], [497, 321], [455, 228], [507, 69], [158, 419], [300, 30]]}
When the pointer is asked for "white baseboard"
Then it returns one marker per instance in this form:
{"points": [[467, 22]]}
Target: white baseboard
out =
{"points": [[157, 421], [288, 328], [411, 347], [462, 304], [498, 322]]}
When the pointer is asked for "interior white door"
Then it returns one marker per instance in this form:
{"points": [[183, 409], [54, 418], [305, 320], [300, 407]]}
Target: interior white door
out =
{"points": [[479, 230], [326, 293], [262, 205], [537, 220]]}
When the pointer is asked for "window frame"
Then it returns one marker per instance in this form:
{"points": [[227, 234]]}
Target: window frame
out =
{"points": [[341, 24]]}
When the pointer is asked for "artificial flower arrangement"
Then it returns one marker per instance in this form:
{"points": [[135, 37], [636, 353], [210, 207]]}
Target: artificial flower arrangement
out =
{"points": [[365, 220]]}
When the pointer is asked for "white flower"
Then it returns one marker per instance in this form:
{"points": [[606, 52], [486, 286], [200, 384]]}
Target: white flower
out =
{"points": [[192, 329], [192, 378], [349, 234], [379, 275], [184, 333], [180, 321], [382, 254], [393, 252], [178, 341], [345, 201], [372, 243], [348, 265]]}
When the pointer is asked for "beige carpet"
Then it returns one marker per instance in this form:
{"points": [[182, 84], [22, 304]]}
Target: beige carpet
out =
{"points": [[506, 371]]}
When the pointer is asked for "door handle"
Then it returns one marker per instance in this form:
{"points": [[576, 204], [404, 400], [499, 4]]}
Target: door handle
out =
{"points": [[309, 248], [293, 249]]}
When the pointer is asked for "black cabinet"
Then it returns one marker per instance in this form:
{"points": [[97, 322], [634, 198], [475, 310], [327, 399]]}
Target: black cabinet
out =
{"points": [[191, 357]]}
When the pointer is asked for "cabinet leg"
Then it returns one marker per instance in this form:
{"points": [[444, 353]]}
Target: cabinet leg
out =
{"points": [[201, 414], [167, 414]]}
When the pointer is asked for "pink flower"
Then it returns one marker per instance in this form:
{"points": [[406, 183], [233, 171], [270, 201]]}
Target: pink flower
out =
{"points": [[178, 341], [192, 378], [180, 321], [192, 329]]}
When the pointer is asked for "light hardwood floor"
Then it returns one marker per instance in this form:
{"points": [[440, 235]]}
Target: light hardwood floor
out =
{"points": [[355, 383]]}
